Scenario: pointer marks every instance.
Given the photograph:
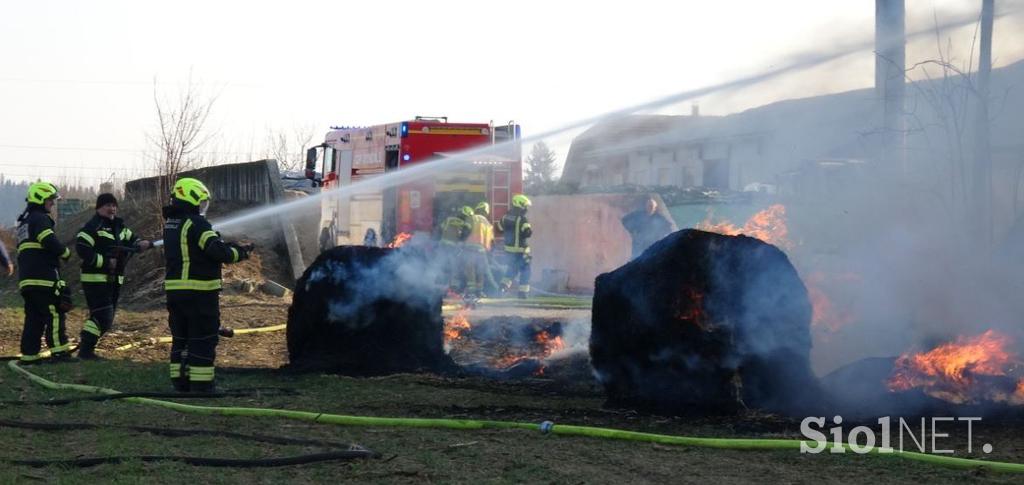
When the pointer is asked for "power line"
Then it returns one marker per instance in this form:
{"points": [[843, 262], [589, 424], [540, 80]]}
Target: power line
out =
{"points": [[95, 149], [114, 82], [75, 167], [104, 149]]}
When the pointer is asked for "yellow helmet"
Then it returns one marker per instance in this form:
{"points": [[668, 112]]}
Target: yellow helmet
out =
{"points": [[467, 210], [40, 191], [484, 207], [520, 201], [190, 190]]}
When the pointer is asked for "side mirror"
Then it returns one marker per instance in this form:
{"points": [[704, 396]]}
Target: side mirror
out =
{"points": [[311, 159]]}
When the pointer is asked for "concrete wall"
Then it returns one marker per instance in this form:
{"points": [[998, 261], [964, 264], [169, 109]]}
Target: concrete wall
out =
{"points": [[581, 235], [237, 186], [238, 182]]}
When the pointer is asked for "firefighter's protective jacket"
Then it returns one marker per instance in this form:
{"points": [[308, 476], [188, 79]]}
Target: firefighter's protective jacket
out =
{"points": [[39, 251], [516, 229], [193, 251], [480, 234], [454, 229], [95, 243]]}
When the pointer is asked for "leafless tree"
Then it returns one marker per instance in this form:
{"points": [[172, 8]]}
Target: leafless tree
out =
{"points": [[181, 131], [954, 93], [289, 149]]}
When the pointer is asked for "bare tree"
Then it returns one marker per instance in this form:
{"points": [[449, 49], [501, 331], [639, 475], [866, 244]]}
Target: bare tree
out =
{"points": [[181, 131], [952, 95], [289, 149]]}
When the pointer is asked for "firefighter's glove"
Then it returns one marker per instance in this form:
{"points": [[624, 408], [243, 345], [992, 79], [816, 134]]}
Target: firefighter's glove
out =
{"points": [[243, 250]]}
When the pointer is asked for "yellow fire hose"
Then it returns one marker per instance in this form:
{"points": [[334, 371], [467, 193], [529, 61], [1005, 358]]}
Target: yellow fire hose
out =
{"points": [[545, 427], [167, 340]]}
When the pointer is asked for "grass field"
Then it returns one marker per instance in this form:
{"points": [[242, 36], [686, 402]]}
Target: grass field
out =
{"points": [[407, 455]]}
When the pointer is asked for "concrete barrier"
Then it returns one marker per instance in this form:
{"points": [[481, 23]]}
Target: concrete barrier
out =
{"points": [[581, 235], [250, 184]]}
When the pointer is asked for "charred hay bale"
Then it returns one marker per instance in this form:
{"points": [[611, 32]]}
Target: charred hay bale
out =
{"points": [[367, 311], [704, 322]]}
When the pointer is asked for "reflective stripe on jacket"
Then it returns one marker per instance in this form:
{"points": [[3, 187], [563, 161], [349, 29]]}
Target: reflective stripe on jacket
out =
{"points": [[193, 252], [39, 251]]}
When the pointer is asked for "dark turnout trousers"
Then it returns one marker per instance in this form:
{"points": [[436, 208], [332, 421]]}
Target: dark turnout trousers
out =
{"points": [[42, 319], [102, 300], [194, 319]]}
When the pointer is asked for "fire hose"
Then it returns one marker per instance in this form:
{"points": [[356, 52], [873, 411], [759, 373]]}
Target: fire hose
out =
{"points": [[546, 427], [223, 332]]}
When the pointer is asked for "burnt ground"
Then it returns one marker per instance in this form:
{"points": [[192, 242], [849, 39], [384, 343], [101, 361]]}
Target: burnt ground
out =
{"points": [[562, 395]]}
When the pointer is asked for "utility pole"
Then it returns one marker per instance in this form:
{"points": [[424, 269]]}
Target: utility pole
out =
{"points": [[890, 87], [982, 140]]}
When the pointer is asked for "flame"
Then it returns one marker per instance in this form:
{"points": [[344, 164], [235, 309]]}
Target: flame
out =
{"points": [[548, 343], [455, 326], [962, 371], [399, 240], [768, 225], [826, 315], [545, 345], [691, 307]]}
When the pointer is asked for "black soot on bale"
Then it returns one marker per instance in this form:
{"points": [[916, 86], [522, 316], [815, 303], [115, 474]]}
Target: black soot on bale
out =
{"points": [[705, 323], [368, 311]]}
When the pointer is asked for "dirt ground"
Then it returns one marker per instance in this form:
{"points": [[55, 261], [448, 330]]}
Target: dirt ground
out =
{"points": [[409, 455]]}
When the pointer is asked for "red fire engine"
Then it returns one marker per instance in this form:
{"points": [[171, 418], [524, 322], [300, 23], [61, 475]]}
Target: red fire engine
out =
{"points": [[351, 154]]}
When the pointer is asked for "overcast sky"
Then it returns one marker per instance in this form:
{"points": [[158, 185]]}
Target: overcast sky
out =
{"points": [[77, 84]]}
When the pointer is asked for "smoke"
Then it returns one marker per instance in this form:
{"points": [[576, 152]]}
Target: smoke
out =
{"points": [[403, 275], [794, 64]]}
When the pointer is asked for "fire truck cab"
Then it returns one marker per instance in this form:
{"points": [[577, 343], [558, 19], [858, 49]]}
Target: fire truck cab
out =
{"points": [[350, 155]]}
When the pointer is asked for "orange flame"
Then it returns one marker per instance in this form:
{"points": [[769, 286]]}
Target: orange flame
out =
{"points": [[691, 307], [455, 326], [399, 240], [547, 344], [962, 371], [827, 315], [768, 225]]}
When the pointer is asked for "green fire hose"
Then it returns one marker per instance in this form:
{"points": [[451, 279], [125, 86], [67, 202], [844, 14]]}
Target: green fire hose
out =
{"points": [[545, 427]]}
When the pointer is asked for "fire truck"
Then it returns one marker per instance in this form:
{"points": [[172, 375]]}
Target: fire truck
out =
{"points": [[349, 155]]}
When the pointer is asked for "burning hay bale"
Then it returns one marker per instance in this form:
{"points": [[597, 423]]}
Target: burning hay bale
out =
{"points": [[368, 311], [977, 375], [704, 322], [972, 369], [505, 346]]}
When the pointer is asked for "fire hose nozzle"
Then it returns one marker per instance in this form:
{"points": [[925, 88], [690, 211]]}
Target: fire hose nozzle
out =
{"points": [[226, 332]]}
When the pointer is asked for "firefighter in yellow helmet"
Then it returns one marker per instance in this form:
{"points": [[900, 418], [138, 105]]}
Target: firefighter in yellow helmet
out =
{"points": [[475, 250], [516, 230], [39, 257], [193, 254], [454, 230]]}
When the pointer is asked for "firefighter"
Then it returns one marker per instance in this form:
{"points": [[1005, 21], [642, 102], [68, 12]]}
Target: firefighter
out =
{"points": [[475, 250], [516, 230], [454, 230], [45, 294], [193, 254], [104, 244]]}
